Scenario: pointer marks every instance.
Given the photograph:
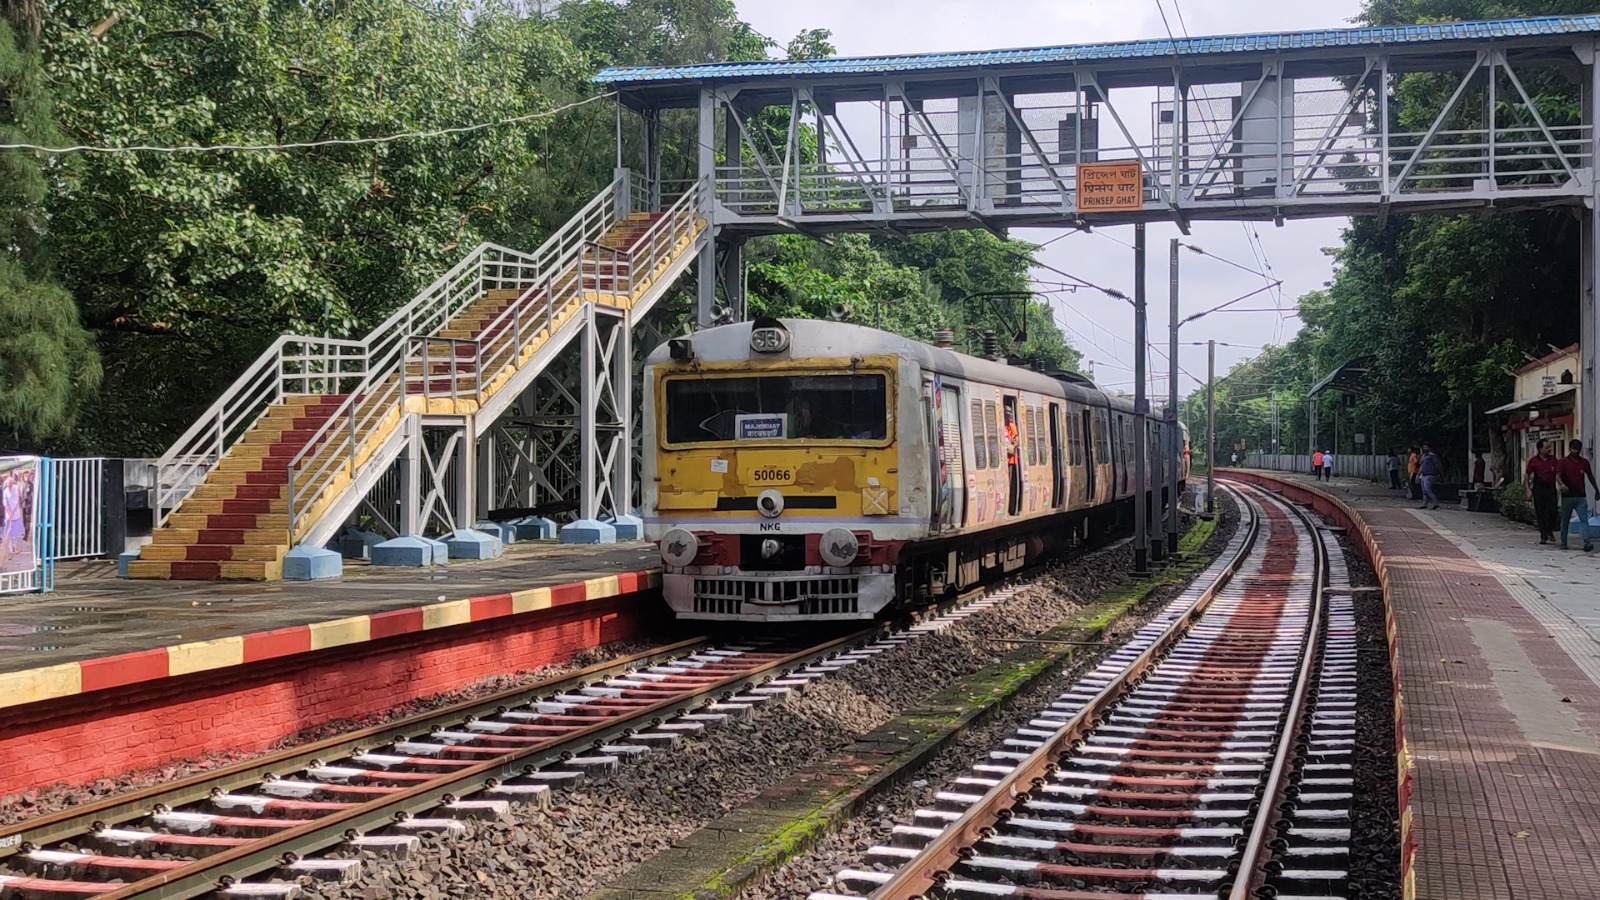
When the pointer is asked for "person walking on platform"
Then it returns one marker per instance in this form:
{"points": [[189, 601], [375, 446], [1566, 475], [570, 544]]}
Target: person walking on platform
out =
{"points": [[1327, 465], [1571, 471], [1540, 476], [1480, 470], [1393, 465], [1428, 469], [1316, 465]]}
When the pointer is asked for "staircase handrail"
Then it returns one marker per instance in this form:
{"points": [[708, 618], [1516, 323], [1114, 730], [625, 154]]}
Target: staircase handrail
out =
{"points": [[385, 376], [676, 222], [505, 334], [210, 436]]}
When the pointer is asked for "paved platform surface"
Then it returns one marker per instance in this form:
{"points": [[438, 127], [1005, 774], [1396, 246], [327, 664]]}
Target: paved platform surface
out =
{"points": [[95, 616], [1499, 655]]}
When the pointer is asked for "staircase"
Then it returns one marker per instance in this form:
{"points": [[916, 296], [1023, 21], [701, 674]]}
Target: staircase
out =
{"points": [[287, 453]]}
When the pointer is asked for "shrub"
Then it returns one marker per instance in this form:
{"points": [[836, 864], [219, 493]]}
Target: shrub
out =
{"points": [[1514, 504]]}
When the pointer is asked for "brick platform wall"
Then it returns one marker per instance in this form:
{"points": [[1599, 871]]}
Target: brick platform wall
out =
{"points": [[249, 707]]}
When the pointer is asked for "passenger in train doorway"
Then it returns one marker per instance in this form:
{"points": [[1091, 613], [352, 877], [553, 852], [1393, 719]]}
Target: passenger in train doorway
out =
{"points": [[1571, 472], [1429, 468], [1012, 469], [1316, 465], [1540, 479], [1327, 465]]}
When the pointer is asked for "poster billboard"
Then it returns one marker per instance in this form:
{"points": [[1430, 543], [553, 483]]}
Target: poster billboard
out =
{"points": [[19, 511]]}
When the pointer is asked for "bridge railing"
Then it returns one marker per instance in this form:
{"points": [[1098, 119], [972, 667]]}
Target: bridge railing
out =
{"points": [[1308, 163], [544, 279]]}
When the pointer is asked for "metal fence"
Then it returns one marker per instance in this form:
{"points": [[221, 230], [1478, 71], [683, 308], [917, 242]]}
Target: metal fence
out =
{"points": [[79, 506], [1345, 465]]}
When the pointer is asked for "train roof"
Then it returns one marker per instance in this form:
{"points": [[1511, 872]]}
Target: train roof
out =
{"points": [[822, 337]]}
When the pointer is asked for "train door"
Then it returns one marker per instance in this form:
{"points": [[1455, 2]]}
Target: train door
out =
{"points": [[1013, 432], [1058, 470], [1086, 440], [1119, 460], [952, 486]]}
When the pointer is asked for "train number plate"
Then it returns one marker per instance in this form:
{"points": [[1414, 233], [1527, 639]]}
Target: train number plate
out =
{"points": [[764, 475]]}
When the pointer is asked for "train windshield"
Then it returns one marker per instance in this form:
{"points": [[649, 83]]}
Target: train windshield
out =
{"points": [[845, 407]]}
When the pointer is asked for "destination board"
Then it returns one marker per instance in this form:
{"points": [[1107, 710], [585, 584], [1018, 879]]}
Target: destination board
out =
{"points": [[1110, 186]]}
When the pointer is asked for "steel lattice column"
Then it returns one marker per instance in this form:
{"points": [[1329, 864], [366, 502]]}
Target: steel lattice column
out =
{"points": [[604, 424]]}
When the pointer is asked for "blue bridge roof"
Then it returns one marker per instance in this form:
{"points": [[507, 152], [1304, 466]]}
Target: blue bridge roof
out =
{"points": [[1122, 50]]}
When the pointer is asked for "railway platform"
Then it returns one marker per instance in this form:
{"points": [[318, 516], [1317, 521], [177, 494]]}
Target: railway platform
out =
{"points": [[1496, 641], [97, 630]]}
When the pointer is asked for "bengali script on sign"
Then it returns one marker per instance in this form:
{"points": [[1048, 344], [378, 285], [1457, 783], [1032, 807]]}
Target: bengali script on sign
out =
{"points": [[1110, 187]]}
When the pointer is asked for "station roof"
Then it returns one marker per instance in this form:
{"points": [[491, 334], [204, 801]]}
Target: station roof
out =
{"points": [[645, 79], [1350, 377]]}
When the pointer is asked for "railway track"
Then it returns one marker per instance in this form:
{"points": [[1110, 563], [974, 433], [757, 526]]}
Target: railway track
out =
{"points": [[257, 828], [1209, 757]]}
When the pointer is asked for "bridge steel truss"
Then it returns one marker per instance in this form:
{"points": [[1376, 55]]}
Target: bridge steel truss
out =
{"points": [[1251, 127]]}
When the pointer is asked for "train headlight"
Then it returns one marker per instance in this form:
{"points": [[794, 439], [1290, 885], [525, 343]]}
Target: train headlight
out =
{"points": [[838, 547], [769, 503], [679, 547]]}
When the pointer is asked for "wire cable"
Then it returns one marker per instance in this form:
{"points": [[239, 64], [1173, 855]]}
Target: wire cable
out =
{"points": [[306, 145]]}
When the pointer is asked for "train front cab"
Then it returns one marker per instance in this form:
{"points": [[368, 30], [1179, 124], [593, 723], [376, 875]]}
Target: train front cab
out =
{"points": [[774, 486]]}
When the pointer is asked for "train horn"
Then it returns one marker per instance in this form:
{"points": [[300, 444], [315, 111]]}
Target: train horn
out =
{"points": [[838, 312]]}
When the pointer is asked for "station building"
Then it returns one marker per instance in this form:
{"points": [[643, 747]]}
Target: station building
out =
{"points": [[1546, 406]]}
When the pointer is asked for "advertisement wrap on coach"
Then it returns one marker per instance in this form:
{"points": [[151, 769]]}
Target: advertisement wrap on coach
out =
{"points": [[19, 510]]}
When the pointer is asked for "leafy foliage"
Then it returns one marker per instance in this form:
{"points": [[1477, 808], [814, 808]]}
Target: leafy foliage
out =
{"points": [[176, 269]]}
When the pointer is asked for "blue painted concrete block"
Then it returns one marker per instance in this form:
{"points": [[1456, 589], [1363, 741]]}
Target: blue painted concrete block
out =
{"points": [[465, 543], [354, 543], [589, 531], [404, 551], [505, 531], [535, 528], [629, 528], [441, 551], [122, 562], [312, 563]]}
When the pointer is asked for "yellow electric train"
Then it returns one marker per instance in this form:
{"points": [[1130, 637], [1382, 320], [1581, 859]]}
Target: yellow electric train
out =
{"points": [[806, 470]]}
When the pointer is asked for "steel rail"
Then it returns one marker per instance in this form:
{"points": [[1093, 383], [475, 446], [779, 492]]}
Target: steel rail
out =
{"points": [[81, 819], [1252, 872], [203, 875], [930, 866]]}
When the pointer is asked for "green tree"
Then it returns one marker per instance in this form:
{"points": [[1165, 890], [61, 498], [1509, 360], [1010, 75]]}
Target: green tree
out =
{"points": [[187, 264], [48, 363]]}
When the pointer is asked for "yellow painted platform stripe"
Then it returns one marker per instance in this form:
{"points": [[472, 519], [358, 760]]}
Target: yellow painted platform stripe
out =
{"points": [[530, 600], [443, 615], [33, 685], [200, 656], [602, 587], [337, 633]]}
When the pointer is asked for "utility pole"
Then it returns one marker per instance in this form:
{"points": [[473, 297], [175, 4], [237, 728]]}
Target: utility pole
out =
{"points": [[1141, 406], [1211, 426], [1174, 442]]}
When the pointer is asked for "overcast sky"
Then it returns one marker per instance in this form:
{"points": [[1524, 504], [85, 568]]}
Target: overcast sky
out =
{"points": [[1102, 328]]}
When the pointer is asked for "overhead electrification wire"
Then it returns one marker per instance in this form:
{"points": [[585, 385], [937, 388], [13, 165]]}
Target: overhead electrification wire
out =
{"points": [[306, 145]]}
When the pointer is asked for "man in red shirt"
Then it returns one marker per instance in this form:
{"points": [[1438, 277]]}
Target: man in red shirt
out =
{"points": [[1571, 472], [1539, 479]]}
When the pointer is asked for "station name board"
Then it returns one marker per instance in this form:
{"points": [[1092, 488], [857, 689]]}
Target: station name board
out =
{"points": [[1110, 186]]}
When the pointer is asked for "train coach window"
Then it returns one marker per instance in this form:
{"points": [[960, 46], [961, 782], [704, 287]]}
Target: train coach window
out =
{"points": [[980, 439], [848, 407]]}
